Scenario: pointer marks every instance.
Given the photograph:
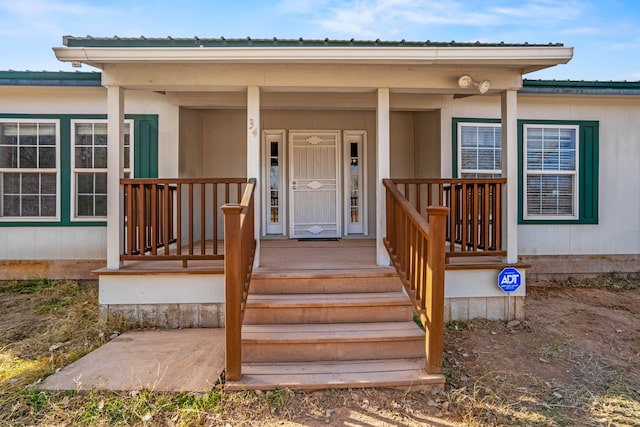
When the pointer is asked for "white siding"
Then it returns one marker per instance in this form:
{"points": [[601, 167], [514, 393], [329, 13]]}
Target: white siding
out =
{"points": [[53, 243]]}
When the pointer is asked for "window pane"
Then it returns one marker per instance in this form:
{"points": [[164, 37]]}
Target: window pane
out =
{"points": [[48, 183], [85, 205], [354, 149], [30, 206], [47, 157], [9, 133], [47, 134], [100, 139], [127, 157], [11, 205], [100, 157], [11, 183], [28, 134], [480, 150], [101, 205], [8, 157], [101, 183], [84, 157], [48, 206], [28, 157], [30, 183], [550, 195], [100, 133], [85, 183]]}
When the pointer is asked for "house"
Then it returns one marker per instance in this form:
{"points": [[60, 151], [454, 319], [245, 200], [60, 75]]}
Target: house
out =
{"points": [[317, 141]]}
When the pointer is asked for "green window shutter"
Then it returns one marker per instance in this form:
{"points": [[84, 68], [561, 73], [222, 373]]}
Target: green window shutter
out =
{"points": [[145, 152], [588, 197]]}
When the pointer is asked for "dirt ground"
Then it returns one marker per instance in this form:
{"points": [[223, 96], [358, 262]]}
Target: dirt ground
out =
{"points": [[574, 360]]}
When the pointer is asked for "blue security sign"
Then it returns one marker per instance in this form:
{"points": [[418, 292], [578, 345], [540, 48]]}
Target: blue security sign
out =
{"points": [[509, 279]]}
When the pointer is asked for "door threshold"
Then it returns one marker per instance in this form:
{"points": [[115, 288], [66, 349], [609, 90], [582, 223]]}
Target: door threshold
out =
{"points": [[319, 239]]}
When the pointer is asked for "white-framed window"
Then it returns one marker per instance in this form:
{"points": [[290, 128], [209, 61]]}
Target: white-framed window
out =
{"points": [[29, 170], [355, 186], [550, 171], [275, 189], [89, 167], [479, 150]]}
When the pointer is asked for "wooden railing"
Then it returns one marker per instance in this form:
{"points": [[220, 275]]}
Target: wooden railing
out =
{"points": [[174, 218], [239, 250], [417, 251], [474, 224]]}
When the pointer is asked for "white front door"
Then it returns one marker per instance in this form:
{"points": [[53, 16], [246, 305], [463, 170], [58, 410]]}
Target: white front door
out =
{"points": [[314, 184]]}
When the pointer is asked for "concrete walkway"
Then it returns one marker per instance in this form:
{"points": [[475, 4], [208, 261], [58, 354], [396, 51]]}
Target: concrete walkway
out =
{"points": [[158, 360]]}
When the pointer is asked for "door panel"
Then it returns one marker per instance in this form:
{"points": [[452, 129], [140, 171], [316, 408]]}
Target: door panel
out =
{"points": [[314, 184]]}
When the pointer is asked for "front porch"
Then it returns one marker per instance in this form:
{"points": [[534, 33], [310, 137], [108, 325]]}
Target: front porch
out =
{"points": [[308, 304]]}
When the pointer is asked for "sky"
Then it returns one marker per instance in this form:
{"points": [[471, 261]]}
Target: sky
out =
{"points": [[605, 34]]}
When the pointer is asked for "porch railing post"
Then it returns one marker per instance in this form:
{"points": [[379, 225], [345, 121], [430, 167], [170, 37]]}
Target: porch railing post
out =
{"points": [[434, 307], [234, 287]]}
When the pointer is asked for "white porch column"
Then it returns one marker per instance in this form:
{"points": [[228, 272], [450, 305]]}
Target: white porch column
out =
{"points": [[509, 104], [383, 170], [115, 171], [253, 157]]}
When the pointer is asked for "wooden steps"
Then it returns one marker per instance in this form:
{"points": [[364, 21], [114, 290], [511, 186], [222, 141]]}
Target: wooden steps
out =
{"points": [[317, 330], [327, 308], [407, 374], [334, 342]]}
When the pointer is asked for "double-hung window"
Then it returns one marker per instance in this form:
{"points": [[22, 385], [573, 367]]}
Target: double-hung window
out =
{"points": [[29, 170], [479, 150], [550, 171], [89, 164]]}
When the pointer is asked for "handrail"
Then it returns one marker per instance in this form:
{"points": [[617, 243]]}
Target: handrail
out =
{"points": [[239, 249], [417, 250], [176, 218], [474, 225]]}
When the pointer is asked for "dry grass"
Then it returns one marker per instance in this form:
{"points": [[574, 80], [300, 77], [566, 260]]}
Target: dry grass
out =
{"points": [[44, 325]]}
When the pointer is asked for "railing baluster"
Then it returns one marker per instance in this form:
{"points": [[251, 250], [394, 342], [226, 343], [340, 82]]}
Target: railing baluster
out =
{"points": [[190, 219], [203, 219], [179, 219], [215, 218], [154, 219], [141, 219]]}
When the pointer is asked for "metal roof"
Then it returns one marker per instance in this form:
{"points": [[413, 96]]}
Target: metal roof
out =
{"points": [[123, 42], [580, 87], [50, 78]]}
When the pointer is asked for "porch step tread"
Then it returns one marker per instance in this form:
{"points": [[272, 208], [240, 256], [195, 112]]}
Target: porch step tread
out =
{"points": [[331, 333], [319, 375], [333, 300], [303, 273]]}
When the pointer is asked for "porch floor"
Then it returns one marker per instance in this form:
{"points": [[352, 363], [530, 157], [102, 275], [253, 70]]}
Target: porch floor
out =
{"points": [[317, 256]]}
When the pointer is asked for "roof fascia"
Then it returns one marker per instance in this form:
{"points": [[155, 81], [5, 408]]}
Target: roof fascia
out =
{"points": [[527, 58]]}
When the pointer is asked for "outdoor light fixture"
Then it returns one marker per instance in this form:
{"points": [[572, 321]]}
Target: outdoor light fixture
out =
{"points": [[76, 64], [465, 81]]}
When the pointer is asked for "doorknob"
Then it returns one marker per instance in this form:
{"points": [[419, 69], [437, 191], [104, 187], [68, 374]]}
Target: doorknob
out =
{"points": [[294, 185]]}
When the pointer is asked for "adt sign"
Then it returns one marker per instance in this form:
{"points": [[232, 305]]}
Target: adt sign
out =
{"points": [[509, 279]]}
